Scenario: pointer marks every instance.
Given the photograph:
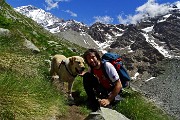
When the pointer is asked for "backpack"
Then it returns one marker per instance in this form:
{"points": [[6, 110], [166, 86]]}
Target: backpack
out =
{"points": [[116, 61]]}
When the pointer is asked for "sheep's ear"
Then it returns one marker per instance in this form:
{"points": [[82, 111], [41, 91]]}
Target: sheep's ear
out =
{"points": [[72, 59]]}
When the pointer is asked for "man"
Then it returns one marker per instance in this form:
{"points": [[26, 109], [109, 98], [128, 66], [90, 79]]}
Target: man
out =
{"points": [[101, 91]]}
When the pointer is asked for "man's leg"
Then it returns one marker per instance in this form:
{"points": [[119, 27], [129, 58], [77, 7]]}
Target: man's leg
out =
{"points": [[90, 83]]}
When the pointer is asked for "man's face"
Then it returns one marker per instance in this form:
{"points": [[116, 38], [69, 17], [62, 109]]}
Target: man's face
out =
{"points": [[92, 60]]}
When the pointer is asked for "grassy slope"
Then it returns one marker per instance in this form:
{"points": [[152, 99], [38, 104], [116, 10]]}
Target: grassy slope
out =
{"points": [[25, 91]]}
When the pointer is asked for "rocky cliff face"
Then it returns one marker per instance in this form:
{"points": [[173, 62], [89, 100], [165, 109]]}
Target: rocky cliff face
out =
{"points": [[168, 32]]}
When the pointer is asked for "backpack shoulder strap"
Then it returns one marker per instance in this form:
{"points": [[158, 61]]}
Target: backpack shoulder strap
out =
{"points": [[104, 69], [105, 73]]}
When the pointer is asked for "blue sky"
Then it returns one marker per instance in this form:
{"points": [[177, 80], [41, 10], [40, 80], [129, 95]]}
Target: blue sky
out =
{"points": [[105, 11]]}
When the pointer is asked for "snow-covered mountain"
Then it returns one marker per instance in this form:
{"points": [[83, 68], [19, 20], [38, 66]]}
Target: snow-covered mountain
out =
{"points": [[141, 44], [96, 36], [71, 30], [46, 19], [105, 36]]}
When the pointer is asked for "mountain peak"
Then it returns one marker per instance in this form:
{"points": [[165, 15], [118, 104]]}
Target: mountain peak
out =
{"points": [[27, 8]]}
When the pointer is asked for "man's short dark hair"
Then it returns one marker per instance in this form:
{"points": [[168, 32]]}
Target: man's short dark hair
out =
{"points": [[91, 51]]}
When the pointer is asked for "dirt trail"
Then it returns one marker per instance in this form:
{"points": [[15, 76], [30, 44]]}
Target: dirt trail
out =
{"points": [[73, 113]]}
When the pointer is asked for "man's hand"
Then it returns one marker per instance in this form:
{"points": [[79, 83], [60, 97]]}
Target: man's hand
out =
{"points": [[104, 102]]}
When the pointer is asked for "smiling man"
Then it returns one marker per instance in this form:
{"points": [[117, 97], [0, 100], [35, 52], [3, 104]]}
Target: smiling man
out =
{"points": [[101, 91]]}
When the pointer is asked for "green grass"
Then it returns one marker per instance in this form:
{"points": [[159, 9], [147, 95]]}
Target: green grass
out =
{"points": [[28, 97], [137, 107], [78, 88], [25, 90]]}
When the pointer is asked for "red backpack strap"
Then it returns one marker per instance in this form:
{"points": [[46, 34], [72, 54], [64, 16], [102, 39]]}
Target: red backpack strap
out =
{"points": [[105, 73], [116, 63]]}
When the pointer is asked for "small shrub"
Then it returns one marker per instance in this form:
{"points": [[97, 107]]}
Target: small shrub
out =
{"points": [[4, 22]]}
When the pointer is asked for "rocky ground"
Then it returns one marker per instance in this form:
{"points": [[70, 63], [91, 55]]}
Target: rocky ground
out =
{"points": [[164, 90], [105, 114], [73, 113]]}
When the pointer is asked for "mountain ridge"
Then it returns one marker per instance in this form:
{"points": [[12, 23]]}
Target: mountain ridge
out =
{"points": [[105, 36]]}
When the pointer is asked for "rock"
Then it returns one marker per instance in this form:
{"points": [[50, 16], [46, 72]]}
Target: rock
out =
{"points": [[4, 32], [106, 114], [31, 46], [95, 116]]}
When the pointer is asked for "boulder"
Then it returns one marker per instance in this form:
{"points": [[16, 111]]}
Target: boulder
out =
{"points": [[106, 114], [31, 46], [4, 32]]}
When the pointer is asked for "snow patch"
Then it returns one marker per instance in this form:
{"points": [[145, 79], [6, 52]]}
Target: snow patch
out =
{"points": [[159, 48], [149, 79], [135, 76], [148, 29]]}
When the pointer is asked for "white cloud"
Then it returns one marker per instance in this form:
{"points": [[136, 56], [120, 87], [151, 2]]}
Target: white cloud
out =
{"points": [[103, 19], [149, 9], [153, 9], [122, 20], [71, 13], [178, 4], [53, 3]]}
